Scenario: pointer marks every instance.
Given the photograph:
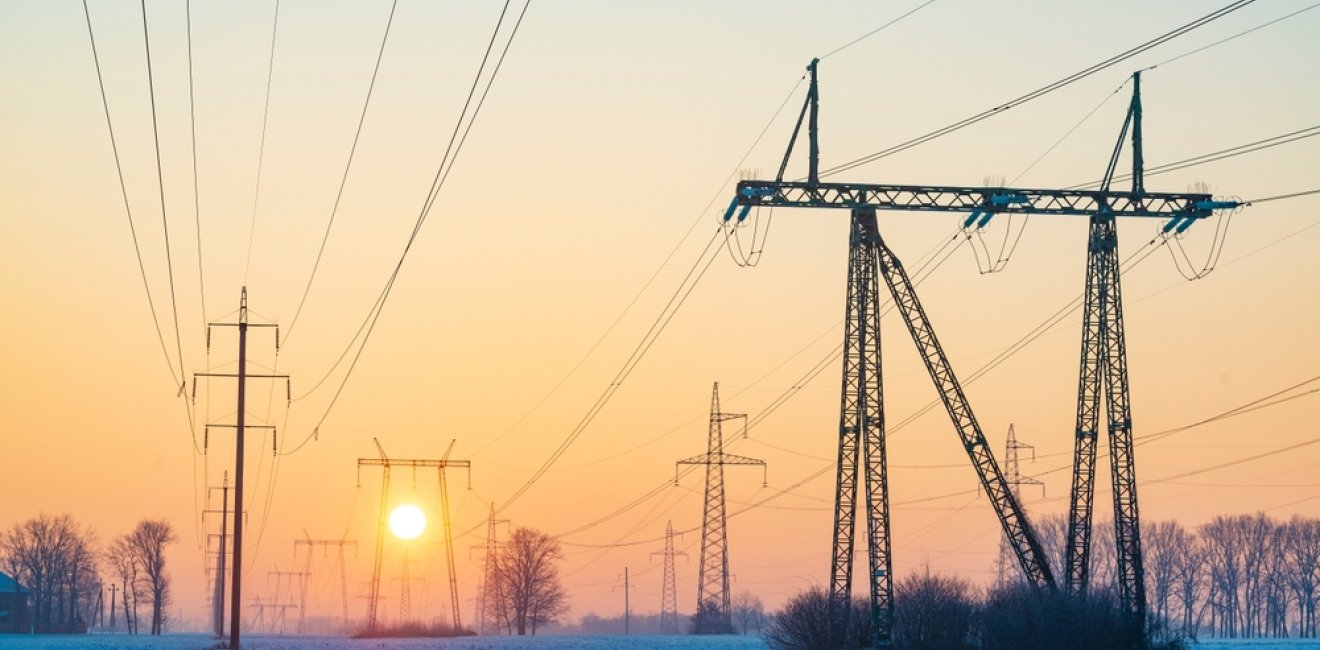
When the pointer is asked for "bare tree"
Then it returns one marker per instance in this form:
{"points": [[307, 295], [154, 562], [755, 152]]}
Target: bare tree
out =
{"points": [[123, 561], [1189, 578], [1301, 552], [527, 569], [148, 541], [53, 557], [1163, 544], [748, 611], [1223, 555]]}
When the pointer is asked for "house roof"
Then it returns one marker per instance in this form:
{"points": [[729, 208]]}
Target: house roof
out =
{"points": [[9, 586]]}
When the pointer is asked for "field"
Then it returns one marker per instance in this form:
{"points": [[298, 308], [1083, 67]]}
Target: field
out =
{"points": [[265, 642]]}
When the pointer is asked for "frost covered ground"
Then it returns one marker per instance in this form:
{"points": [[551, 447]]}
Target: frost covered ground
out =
{"points": [[262, 642], [1257, 644], [266, 642]]}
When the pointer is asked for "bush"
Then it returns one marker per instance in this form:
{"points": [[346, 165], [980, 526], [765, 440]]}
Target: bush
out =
{"points": [[934, 612], [1017, 616], [804, 624]]}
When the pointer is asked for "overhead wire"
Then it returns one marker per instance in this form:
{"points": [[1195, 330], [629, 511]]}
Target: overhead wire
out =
{"points": [[343, 181], [261, 151], [1229, 38], [876, 30], [701, 214], [1039, 92], [446, 162], [1278, 197], [1222, 154], [165, 225]]}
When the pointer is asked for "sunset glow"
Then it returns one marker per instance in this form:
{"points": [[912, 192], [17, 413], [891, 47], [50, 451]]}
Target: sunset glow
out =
{"points": [[407, 521]]}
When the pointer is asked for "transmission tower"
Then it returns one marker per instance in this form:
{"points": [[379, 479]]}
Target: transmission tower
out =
{"points": [[385, 462], [1013, 473], [713, 571], [490, 588], [669, 592], [343, 576], [861, 429], [240, 427]]}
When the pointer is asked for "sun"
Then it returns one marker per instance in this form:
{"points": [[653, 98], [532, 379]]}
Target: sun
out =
{"points": [[407, 521]]}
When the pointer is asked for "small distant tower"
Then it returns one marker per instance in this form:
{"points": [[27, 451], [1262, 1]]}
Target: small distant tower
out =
{"points": [[669, 593], [1013, 476], [713, 576]]}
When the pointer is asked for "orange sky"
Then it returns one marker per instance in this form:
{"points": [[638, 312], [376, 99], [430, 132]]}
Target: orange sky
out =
{"points": [[608, 130]]}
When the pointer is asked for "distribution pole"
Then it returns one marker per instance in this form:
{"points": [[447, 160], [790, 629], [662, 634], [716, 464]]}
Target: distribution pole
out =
{"points": [[713, 572], [236, 603], [669, 595], [218, 596]]}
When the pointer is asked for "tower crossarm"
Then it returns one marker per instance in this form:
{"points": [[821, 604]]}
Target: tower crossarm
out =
{"points": [[981, 202]]}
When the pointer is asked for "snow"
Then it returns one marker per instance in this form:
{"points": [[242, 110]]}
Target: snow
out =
{"points": [[266, 642]]}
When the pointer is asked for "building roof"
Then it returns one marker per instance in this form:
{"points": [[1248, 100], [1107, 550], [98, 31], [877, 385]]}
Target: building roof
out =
{"points": [[9, 586]]}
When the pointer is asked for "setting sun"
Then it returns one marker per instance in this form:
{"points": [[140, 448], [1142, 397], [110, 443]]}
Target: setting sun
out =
{"points": [[407, 521]]}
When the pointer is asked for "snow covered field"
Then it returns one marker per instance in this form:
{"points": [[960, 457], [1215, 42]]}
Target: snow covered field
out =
{"points": [[262, 642]]}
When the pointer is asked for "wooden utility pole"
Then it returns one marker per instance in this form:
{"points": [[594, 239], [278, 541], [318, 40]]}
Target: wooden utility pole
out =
{"points": [[240, 426]]}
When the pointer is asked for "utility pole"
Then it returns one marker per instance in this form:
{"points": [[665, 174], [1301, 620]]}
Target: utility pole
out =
{"points": [[669, 592], [307, 566], [240, 426], [713, 572], [386, 463], [1013, 474], [218, 594], [114, 588], [490, 589], [627, 609]]}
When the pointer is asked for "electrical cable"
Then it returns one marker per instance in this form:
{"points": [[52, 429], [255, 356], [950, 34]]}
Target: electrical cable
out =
{"points": [[261, 151], [343, 181], [1039, 92], [701, 214], [1282, 196], [875, 31], [160, 177], [1222, 154], [1227, 39], [373, 316]]}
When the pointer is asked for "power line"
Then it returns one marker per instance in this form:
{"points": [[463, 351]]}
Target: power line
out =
{"points": [[1039, 92], [1222, 154], [373, 316], [701, 214], [160, 177], [1282, 196], [261, 152], [128, 209], [1229, 38], [347, 166], [192, 124], [875, 31]]}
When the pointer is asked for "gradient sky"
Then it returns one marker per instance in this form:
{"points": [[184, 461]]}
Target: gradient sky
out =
{"points": [[610, 128]]}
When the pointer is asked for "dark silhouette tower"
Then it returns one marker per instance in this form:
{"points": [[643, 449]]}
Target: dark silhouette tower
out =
{"points": [[1013, 475], [669, 591], [713, 573]]}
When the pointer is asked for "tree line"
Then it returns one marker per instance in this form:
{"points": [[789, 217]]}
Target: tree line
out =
{"points": [[1235, 576], [66, 570]]}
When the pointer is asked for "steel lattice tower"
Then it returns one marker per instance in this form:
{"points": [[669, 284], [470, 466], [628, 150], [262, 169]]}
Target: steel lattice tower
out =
{"points": [[713, 573], [669, 591], [1013, 475], [1104, 367], [1103, 353], [861, 435]]}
